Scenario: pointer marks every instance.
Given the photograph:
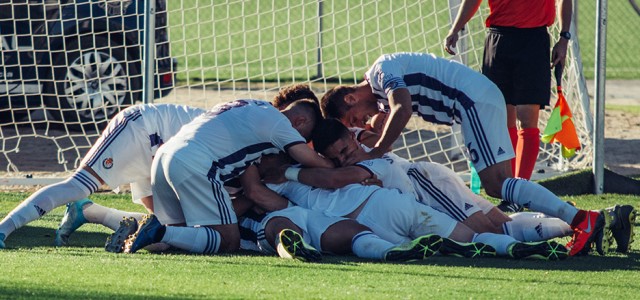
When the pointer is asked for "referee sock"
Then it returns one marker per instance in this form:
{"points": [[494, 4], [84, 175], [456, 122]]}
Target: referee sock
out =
{"points": [[527, 152], [537, 198], [535, 227], [110, 217], [513, 135], [201, 240], [500, 242], [79, 185], [367, 244]]}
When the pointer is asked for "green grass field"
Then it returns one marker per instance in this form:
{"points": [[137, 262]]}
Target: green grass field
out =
{"points": [[32, 268]]}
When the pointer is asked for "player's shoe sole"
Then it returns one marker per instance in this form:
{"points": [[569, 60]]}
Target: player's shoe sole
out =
{"points": [[545, 250], [115, 242], [418, 249], [621, 221], [470, 250], [292, 246], [72, 220], [149, 231]]}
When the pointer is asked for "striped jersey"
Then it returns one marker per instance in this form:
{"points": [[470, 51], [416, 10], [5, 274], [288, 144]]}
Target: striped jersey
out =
{"points": [[440, 88], [231, 136], [163, 121]]}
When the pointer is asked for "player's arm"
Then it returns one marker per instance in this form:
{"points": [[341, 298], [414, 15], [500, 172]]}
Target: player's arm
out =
{"points": [[399, 114], [467, 9], [307, 157], [559, 52], [257, 192], [333, 178]]}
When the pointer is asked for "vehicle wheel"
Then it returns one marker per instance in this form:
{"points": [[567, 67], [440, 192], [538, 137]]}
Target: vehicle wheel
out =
{"points": [[91, 82]]}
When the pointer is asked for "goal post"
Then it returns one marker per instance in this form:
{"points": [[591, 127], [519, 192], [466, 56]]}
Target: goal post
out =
{"points": [[231, 49]]}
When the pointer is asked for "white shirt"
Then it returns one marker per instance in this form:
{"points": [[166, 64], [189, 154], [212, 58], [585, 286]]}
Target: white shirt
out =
{"points": [[439, 87], [231, 136], [163, 121]]}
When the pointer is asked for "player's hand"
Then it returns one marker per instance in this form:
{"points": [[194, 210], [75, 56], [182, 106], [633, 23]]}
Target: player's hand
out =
{"points": [[372, 181], [450, 42], [559, 52]]}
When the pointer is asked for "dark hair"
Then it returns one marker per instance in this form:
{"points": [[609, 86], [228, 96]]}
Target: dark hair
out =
{"points": [[332, 103], [308, 106], [327, 132], [291, 93]]}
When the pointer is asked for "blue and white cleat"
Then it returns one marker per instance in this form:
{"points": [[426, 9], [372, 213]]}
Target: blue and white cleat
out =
{"points": [[2, 237], [72, 220], [149, 231]]}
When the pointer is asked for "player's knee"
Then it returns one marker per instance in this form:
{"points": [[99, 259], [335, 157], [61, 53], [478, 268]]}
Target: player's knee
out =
{"points": [[338, 237], [229, 237]]}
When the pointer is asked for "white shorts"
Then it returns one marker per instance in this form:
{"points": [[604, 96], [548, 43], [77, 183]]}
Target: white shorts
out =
{"points": [[399, 218], [484, 127], [183, 193], [312, 223], [441, 188], [122, 154]]}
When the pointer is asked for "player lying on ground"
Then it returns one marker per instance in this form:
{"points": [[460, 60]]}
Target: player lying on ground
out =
{"points": [[121, 155], [443, 92], [121, 132]]}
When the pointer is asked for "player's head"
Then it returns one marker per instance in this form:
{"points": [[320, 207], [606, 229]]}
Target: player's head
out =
{"points": [[352, 105], [334, 140], [291, 93], [304, 114]]}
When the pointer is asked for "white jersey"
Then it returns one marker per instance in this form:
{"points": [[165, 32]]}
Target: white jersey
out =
{"points": [[440, 88], [333, 202], [231, 136], [392, 174], [163, 121]]}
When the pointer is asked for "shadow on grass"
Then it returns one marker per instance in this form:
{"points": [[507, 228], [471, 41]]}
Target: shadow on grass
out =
{"points": [[34, 236]]}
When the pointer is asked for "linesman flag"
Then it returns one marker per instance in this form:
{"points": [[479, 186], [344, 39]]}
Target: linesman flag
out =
{"points": [[560, 126]]}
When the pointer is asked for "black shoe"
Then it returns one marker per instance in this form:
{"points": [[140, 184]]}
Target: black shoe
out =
{"points": [[469, 250], [417, 249], [509, 207], [622, 220], [545, 250], [292, 245], [115, 242]]}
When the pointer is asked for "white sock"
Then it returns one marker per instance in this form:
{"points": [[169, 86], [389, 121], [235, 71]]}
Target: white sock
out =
{"points": [[203, 240], [110, 217], [367, 244], [535, 227], [500, 242], [537, 198], [78, 186]]}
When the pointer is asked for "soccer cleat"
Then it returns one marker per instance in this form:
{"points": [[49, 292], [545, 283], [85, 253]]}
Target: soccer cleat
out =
{"points": [[509, 207], [417, 249], [545, 250], [149, 231], [2, 237], [115, 242], [470, 250], [73, 218], [585, 233], [620, 221], [292, 245]]}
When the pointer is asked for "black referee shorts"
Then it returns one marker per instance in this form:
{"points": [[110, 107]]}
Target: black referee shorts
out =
{"points": [[518, 61]]}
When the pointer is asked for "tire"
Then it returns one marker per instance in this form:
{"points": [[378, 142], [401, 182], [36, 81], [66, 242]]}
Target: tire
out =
{"points": [[91, 82]]}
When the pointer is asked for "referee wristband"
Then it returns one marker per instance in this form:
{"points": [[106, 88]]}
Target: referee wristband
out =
{"points": [[292, 173]]}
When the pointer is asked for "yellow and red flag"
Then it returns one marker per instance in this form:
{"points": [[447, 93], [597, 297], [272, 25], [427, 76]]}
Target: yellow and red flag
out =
{"points": [[560, 127]]}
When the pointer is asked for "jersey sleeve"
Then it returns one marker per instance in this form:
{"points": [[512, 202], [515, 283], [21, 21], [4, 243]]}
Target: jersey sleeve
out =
{"points": [[385, 76], [377, 167], [283, 135]]}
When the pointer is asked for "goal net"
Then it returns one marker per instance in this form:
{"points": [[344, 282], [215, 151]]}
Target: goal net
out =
{"points": [[225, 50]]}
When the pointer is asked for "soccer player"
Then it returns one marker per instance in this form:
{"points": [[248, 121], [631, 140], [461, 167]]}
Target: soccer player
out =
{"points": [[121, 155], [304, 234], [443, 92], [189, 171]]}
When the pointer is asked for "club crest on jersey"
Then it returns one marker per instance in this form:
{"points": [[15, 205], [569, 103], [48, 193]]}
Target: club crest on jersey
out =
{"points": [[107, 163]]}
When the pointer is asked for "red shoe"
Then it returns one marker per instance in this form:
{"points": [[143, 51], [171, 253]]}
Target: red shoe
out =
{"points": [[585, 232]]}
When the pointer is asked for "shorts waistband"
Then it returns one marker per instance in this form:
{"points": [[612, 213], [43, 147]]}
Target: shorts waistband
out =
{"points": [[508, 30]]}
